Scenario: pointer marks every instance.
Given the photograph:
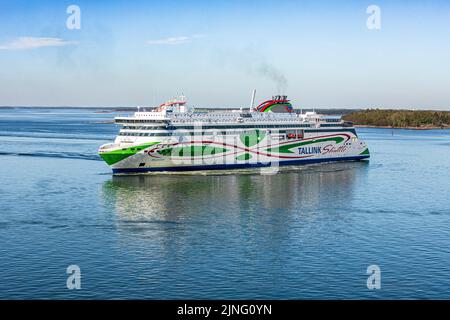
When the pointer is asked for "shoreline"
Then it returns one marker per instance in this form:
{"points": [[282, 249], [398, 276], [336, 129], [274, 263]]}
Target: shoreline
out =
{"points": [[406, 128]]}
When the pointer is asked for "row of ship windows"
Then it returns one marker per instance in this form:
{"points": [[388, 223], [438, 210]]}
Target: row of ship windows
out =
{"points": [[193, 119], [165, 134], [228, 127], [333, 120]]}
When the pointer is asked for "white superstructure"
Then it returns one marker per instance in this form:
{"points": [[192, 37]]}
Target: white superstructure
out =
{"points": [[174, 136]]}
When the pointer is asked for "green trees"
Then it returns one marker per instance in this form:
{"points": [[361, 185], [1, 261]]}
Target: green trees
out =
{"points": [[400, 118]]}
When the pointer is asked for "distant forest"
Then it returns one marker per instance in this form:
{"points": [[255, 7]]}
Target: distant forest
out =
{"points": [[400, 118]]}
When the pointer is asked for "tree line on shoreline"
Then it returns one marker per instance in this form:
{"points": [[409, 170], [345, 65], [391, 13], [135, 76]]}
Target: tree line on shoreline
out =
{"points": [[400, 118]]}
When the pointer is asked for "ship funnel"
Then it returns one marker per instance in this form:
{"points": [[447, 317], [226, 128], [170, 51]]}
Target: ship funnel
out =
{"points": [[253, 100]]}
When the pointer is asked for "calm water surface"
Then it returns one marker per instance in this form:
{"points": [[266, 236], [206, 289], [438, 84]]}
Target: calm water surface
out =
{"points": [[308, 232]]}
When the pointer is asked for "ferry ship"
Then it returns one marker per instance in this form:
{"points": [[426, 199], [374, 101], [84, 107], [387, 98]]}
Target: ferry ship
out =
{"points": [[176, 137]]}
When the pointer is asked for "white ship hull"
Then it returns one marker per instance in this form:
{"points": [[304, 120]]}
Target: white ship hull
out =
{"points": [[173, 137], [245, 151]]}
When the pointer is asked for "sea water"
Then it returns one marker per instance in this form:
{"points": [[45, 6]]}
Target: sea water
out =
{"points": [[306, 232]]}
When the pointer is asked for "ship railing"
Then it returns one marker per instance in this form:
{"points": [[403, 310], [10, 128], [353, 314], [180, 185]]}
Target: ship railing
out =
{"points": [[243, 121], [108, 146]]}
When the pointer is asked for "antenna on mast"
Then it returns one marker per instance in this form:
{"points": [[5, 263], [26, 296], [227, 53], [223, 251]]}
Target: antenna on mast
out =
{"points": [[253, 100]]}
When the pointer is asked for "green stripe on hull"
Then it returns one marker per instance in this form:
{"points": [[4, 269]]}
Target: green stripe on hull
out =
{"points": [[243, 157], [365, 152], [287, 148], [115, 156]]}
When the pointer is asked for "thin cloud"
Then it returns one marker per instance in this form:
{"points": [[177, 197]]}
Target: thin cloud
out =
{"points": [[197, 36], [24, 43], [175, 40]]}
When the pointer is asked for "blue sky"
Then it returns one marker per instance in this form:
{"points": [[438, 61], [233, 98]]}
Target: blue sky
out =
{"points": [[320, 53]]}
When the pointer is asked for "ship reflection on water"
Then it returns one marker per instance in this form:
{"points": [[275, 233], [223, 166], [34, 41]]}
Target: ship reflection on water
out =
{"points": [[247, 201], [234, 234]]}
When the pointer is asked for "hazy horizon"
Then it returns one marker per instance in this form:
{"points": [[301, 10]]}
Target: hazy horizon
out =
{"points": [[119, 108], [320, 53]]}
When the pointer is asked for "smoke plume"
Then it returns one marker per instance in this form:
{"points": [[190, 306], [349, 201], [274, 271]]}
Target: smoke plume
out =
{"points": [[270, 72]]}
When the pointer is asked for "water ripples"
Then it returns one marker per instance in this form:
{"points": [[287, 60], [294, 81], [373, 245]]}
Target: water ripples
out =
{"points": [[306, 232], [67, 155]]}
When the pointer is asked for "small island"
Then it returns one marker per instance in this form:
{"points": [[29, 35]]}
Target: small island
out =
{"points": [[409, 119]]}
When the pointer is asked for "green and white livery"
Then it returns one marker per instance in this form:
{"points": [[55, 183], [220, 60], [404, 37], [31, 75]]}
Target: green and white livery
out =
{"points": [[175, 137]]}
